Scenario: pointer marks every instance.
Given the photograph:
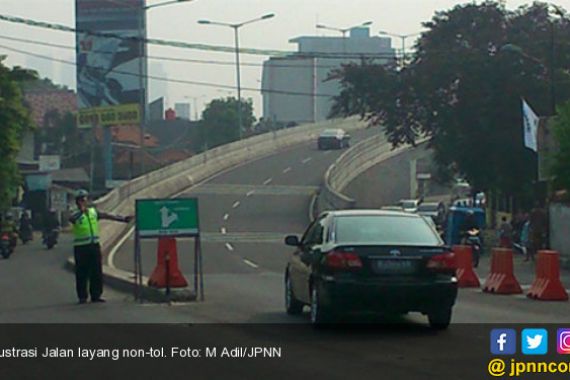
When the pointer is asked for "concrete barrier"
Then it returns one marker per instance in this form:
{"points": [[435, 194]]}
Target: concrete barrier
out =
{"points": [[348, 166]]}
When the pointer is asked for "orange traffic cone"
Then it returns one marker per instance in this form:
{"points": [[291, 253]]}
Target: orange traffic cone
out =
{"points": [[547, 285], [466, 276], [502, 279], [167, 271]]}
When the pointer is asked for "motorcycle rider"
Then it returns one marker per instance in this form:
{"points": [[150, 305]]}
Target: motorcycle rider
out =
{"points": [[26, 226], [51, 222], [469, 223], [9, 226]]}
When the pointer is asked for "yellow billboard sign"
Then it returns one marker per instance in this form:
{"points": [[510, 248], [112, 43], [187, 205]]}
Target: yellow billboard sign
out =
{"points": [[108, 116]]}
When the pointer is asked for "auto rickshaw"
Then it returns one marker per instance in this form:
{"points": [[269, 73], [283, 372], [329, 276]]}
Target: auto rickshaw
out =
{"points": [[455, 218]]}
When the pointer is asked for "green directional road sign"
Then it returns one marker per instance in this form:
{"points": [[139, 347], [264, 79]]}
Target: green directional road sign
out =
{"points": [[167, 217]]}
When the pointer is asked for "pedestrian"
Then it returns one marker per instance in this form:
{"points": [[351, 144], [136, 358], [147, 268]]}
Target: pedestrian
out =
{"points": [[537, 228], [525, 241], [87, 250], [505, 233]]}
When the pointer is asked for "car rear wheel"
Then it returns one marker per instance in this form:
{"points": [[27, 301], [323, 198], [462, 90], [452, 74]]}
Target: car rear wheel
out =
{"points": [[440, 320], [319, 314], [292, 305]]}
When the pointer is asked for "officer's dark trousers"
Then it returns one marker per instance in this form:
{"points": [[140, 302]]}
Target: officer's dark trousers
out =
{"points": [[88, 270]]}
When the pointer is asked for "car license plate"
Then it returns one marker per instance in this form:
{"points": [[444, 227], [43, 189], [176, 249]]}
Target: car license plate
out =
{"points": [[395, 266]]}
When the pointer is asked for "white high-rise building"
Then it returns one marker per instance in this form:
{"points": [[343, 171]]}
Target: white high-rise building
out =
{"points": [[297, 88]]}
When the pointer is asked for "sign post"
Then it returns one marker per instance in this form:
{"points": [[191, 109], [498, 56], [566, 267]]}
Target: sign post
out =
{"points": [[159, 218]]}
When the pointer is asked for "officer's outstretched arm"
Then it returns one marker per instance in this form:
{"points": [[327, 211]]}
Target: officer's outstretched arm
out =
{"points": [[116, 218]]}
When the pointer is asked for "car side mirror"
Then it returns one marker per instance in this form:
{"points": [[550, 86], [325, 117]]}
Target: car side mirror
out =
{"points": [[292, 240]]}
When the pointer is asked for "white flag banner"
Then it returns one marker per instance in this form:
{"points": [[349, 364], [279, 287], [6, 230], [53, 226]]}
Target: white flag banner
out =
{"points": [[530, 127]]}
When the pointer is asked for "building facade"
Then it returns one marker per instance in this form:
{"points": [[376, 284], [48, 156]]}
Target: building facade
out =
{"points": [[299, 89]]}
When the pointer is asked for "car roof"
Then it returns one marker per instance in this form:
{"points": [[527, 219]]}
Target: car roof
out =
{"points": [[332, 131], [371, 212]]}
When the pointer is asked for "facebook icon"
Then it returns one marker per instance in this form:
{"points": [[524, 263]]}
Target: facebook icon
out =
{"points": [[503, 341]]}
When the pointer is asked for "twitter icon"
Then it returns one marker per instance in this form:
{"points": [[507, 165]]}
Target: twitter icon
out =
{"points": [[534, 341]]}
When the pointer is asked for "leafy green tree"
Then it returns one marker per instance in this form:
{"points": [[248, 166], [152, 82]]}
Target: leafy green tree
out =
{"points": [[561, 160], [14, 122], [220, 120], [463, 90]]}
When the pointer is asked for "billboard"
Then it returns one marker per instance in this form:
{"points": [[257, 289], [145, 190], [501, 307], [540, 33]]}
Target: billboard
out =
{"points": [[108, 67], [108, 116]]}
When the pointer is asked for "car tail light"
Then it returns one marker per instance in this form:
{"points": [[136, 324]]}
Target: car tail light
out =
{"points": [[443, 263], [343, 260]]}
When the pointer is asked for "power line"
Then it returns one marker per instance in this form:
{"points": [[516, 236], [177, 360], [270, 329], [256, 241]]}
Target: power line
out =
{"points": [[170, 80], [175, 59], [185, 45]]}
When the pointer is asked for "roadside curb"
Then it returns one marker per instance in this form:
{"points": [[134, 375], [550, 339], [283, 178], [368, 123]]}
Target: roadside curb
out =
{"points": [[123, 281]]}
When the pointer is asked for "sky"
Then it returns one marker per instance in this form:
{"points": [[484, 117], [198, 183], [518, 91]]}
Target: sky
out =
{"points": [[179, 22]]}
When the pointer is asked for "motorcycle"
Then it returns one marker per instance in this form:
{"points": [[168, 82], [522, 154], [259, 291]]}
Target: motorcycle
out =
{"points": [[26, 235], [50, 238], [6, 245], [473, 239]]}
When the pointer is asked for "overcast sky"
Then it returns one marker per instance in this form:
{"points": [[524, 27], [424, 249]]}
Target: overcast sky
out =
{"points": [[179, 22]]}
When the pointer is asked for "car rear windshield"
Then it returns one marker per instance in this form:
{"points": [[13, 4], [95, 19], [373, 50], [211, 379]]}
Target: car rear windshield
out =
{"points": [[409, 204], [384, 230], [330, 133]]}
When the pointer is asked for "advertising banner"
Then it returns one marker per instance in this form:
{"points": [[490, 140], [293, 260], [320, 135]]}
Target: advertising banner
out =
{"points": [[108, 116], [109, 68]]}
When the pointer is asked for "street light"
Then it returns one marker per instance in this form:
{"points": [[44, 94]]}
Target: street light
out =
{"points": [[142, 61], [403, 37], [342, 30], [238, 76]]}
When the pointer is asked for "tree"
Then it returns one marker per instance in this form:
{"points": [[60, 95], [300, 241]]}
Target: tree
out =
{"points": [[463, 90], [60, 135], [14, 123], [220, 120], [561, 162]]}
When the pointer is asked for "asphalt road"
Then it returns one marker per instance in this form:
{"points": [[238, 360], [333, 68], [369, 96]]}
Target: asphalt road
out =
{"points": [[245, 214]]}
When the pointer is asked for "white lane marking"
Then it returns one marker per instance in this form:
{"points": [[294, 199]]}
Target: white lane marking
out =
{"points": [[327, 152], [251, 263], [250, 193], [267, 181], [236, 204], [229, 247], [307, 160], [223, 230], [226, 216], [111, 258], [117, 247], [287, 170]]}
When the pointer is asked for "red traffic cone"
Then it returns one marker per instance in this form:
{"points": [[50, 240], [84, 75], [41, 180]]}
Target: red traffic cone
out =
{"points": [[166, 271]]}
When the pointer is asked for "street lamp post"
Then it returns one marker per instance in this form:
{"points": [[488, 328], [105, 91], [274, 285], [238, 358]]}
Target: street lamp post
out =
{"points": [[142, 61], [403, 37], [236, 27], [343, 31]]}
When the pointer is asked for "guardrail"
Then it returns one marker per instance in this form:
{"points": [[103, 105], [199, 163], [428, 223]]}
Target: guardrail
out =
{"points": [[173, 179], [350, 165]]}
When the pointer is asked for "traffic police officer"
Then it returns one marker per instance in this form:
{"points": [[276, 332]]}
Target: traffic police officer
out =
{"points": [[87, 250]]}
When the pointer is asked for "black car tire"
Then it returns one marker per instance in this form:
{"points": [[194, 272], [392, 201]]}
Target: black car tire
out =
{"points": [[292, 305], [440, 320], [320, 315], [50, 245]]}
